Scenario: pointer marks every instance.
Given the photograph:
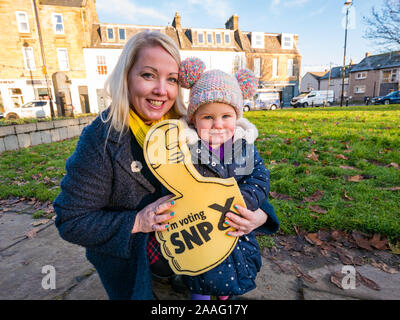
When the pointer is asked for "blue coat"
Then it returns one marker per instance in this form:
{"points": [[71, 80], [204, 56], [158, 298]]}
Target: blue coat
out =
{"points": [[236, 274], [97, 206]]}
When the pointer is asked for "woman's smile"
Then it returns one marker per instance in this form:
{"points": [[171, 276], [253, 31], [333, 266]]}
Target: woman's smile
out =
{"points": [[153, 83]]}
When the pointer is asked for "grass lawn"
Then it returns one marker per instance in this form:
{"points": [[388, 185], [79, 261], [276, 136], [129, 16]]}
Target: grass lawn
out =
{"points": [[335, 168]]}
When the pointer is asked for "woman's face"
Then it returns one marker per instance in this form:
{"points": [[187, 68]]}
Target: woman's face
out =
{"points": [[153, 83]]}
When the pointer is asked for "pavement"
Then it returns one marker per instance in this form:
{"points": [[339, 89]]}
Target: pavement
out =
{"points": [[36, 264]]}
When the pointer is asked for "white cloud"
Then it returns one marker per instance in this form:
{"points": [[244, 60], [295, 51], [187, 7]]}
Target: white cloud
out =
{"points": [[128, 9]]}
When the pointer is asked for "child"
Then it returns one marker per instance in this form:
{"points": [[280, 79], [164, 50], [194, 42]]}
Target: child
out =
{"points": [[222, 145]]}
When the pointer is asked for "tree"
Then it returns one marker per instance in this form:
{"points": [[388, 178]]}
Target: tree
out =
{"points": [[383, 25]]}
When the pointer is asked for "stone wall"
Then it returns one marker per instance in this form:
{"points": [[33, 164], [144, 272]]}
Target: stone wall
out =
{"points": [[32, 134]]}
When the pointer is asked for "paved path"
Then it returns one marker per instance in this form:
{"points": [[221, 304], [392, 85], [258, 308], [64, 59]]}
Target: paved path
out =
{"points": [[301, 273]]}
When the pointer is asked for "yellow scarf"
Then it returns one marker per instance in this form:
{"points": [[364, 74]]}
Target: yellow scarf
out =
{"points": [[140, 129]]}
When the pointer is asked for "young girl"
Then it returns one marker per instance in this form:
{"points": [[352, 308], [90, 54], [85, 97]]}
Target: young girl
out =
{"points": [[222, 145]]}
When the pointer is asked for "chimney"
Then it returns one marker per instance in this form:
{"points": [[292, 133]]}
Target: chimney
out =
{"points": [[232, 23], [351, 62], [177, 21], [367, 54]]}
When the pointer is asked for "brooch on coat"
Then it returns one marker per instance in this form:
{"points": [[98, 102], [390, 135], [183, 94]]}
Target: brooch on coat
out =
{"points": [[136, 166]]}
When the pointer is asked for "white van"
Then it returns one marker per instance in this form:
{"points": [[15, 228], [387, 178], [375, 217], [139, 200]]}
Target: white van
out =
{"points": [[33, 109], [313, 99]]}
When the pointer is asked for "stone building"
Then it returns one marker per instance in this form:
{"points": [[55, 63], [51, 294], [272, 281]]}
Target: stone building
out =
{"points": [[375, 75], [43, 49], [311, 81], [59, 49], [332, 80], [273, 57]]}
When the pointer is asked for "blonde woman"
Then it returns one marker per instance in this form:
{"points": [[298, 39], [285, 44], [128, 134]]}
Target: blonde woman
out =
{"points": [[110, 202]]}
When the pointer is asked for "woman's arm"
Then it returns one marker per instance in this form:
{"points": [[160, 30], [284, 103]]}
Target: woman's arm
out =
{"points": [[82, 207], [82, 217]]}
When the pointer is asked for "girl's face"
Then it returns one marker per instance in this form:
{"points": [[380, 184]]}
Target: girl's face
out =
{"points": [[153, 83], [215, 123]]}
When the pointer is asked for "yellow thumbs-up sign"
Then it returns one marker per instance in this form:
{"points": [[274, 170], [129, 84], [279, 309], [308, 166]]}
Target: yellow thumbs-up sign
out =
{"points": [[196, 240]]}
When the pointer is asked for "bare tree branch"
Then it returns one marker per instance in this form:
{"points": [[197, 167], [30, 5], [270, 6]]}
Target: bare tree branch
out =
{"points": [[383, 26]]}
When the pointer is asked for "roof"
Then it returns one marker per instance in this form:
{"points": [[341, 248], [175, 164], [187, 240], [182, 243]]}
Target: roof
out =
{"points": [[186, 39], [380, 61], [336, 72], [317, 75]]}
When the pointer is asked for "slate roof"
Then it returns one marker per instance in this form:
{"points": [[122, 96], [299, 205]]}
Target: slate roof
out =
{"points": [[336, 72], [183, 38], [317, 75], [380, 61]]}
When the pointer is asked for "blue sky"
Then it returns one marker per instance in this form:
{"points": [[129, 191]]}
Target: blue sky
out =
{"points": [[317, 22]]}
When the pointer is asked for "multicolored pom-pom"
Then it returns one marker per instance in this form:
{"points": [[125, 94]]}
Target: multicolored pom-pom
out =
{"points": [[248, 82], [190, 71]]}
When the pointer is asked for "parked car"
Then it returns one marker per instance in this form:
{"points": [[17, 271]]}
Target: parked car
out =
{"points": [[313, 98], [263, 100], [393, 97], [33, 109]]}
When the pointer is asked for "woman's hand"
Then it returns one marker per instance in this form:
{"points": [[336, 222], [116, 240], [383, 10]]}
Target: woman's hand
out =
{"points": [[246, 222], [154, 216]]}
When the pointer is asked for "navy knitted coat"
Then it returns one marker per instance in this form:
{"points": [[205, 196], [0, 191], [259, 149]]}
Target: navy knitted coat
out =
{"points": [[100, 196]]}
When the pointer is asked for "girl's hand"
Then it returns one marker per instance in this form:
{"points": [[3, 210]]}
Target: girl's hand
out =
{"points": [[154, 216], [247, 222]]}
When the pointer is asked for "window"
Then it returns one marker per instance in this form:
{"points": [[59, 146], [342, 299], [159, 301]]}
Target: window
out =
{"points": [[209, 38], [16, 97], [361, 75], [290, 67], [58, 23], [227, 38], [257, 40], [257, 67], [29, 58], [22, 21], [287, 41], [200, 37], [101, 65], [110, 33], [62, 55], [218, 38], [389, 76], [359, 89], [274, 67], [122, 35]]}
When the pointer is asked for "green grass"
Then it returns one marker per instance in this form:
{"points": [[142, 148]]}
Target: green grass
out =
{"points": [[34, 172], [368, 136]]}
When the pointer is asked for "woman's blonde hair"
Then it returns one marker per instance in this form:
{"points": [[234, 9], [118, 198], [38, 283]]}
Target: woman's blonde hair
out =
{"points": [[116, 85]]}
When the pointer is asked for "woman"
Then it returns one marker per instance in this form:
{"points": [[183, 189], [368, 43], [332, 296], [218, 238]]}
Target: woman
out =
{"points": [[109, 200]]}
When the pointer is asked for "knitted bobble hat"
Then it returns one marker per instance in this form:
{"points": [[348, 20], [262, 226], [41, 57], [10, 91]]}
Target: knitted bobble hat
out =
{"points": [[215, 86]]}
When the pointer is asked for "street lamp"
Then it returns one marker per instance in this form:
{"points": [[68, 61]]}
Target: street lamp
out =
{"points": [[347, 4]]}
